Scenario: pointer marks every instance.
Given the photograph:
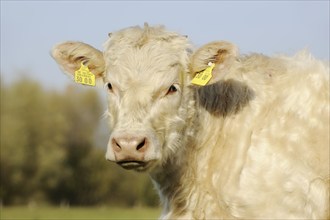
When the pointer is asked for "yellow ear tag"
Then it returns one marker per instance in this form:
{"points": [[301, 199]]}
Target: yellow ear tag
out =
{"points": [[84, 76], [202, 78]]}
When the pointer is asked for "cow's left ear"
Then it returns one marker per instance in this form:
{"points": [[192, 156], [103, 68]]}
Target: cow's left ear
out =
{"points": [[221, 53], [221, 96]]}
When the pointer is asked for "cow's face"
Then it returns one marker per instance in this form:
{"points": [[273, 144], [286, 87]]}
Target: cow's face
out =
{"points": [[145, 77], [145, 87]]}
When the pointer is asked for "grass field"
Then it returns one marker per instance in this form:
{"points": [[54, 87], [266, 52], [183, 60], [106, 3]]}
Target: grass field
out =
{"points": [[83, 213]]}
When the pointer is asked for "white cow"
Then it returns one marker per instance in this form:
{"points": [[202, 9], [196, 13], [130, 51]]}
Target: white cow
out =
{"points": [[251, 144]]}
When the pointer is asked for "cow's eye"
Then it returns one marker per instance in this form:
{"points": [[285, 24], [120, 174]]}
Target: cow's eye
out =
{"points": [[109, 86], [171, 90]]}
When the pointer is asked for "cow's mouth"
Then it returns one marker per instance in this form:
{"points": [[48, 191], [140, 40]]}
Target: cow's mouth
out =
{"points": [[133, 165]]}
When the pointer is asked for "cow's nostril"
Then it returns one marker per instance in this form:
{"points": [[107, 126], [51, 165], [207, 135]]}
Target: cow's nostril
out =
{"points": [[115, 145], [141, 145]]}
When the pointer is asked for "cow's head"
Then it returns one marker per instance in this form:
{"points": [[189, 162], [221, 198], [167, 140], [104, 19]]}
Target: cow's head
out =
{"points": [[145, 74]]}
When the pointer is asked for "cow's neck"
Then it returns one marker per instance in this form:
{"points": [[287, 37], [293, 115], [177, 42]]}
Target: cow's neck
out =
{"points": [[183, 170], [178, 171], [169, 180]]}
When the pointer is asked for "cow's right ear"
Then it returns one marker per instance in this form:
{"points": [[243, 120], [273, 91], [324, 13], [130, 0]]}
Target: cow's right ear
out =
{"points": [[69, 56]]}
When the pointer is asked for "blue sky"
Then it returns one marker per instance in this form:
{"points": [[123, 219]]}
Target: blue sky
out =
{"points": [[29, 29]]}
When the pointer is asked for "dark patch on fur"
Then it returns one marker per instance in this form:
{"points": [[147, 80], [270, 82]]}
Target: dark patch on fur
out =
{"points": [[224, 97]]}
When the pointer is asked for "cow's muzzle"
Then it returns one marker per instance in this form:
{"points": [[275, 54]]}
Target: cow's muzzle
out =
{"points": [[132, 151], [129, 151]]}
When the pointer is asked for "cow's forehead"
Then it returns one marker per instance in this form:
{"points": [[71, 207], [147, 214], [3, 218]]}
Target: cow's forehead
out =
{"points": [[134, 55], [139, 68]]}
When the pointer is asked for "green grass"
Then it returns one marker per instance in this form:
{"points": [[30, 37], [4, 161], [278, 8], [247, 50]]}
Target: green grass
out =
{"points": [[83, 213]]}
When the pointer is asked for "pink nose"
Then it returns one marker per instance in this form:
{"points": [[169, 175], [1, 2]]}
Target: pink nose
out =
{"points": [[129, 147]]}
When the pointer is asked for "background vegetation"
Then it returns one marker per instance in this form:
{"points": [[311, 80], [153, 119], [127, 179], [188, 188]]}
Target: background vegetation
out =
{"points": [[52, 151], [78, 213]]}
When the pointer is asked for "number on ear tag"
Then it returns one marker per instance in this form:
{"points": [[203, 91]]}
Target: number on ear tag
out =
{"points": [[202, 78], [84, 76]]}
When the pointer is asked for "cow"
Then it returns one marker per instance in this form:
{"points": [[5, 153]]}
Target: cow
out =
{"points": [[251, 143]]}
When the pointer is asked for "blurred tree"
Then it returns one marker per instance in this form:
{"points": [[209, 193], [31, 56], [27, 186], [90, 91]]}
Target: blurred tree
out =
{"points": [[48, 153], [20, 107], [79, 111]]}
